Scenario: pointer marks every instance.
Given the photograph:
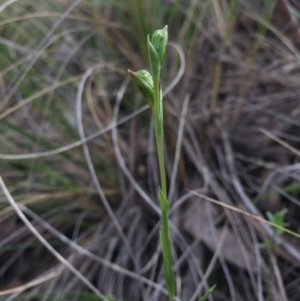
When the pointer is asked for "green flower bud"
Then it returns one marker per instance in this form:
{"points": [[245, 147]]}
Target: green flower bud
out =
{"points": [[159, 41], [154, 60], [144, 82]]}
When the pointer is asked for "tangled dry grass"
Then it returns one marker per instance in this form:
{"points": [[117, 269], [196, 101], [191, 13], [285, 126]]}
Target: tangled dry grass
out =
{"points": [[77, 150]]}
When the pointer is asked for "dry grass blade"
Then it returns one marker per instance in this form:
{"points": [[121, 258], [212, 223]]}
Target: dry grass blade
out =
{"points": [[30, 284], [178, 146], [121, 161], [212, 263], [94, 257], [47, 245], [75, 144], [39, 94], [6, 4], [280, 141], [231, 116], [34, 56], [181, 69], [256, 217], [91, 166]]}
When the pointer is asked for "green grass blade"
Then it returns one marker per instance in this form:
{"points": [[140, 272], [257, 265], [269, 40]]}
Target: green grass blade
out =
{"points": [[210, 290]]}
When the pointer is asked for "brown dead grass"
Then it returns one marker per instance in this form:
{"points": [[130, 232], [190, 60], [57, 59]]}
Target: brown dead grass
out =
{"points": [[238, 143]]}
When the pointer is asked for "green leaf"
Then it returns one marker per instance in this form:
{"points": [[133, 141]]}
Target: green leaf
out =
{"points": [[278, 219], [167, 256], [270, 216], [164, 205], [210, 290], [159, 41], [267, 245]]}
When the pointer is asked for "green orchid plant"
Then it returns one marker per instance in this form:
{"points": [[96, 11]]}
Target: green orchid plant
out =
{"points": [[150, 88], [149, 85]]}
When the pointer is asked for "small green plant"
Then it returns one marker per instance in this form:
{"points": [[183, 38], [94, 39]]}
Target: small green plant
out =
{"points": [[150, 88], [277, 219]]}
